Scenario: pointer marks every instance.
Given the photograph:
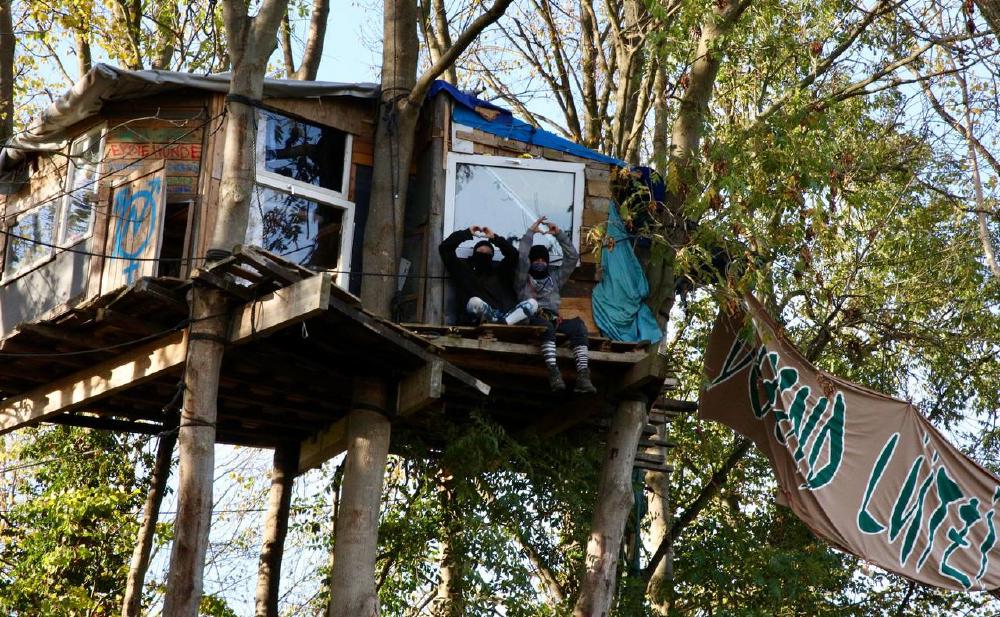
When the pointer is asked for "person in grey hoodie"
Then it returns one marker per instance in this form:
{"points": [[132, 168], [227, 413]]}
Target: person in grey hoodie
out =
{"points": [[537, 280]]}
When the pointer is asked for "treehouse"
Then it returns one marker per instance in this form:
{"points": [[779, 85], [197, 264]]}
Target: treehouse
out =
{"points": [[108, 204], [109, 199]]}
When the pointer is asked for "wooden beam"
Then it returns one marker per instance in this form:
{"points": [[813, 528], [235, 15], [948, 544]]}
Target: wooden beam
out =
{"points": [[323, 446], [286, 306], [420, 388], [109, 424], [523, 349], [106, 378], [650, 370]]}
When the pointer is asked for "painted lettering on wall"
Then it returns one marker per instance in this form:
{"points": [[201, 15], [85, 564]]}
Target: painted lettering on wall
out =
{"points": [[178, 168], [119, 150]]}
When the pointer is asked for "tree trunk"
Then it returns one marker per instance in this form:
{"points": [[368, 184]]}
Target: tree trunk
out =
{"points": [[588, 64], [166, 40], [83, 57], [275, 530], [132, 602], [661, 112], [614, 500], [659, 589], [251, 42], [313, 54], [991, 13], [352, 584], [7, 47], [985, 237], [450, 600], [285, 42], [197, 452], [683, 162]]}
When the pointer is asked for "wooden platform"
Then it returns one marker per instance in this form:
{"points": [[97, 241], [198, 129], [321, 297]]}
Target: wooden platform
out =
{"points": [[296, 345]]}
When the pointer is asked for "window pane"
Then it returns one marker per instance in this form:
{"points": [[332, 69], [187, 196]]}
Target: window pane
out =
{"points": [[294, 227], [81, 187], [304, 152], [509, 200], [32, 229]]}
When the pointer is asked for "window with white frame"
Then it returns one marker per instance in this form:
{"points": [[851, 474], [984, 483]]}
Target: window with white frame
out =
{"points": [[62, 221], [299, 207], [30, 239], [509, 194], [82, 173]]}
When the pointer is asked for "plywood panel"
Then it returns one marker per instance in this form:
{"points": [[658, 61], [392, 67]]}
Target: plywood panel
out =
{"points": [[599, 188], [347, 114], [136, 229], [579, 307], [592, 218]]}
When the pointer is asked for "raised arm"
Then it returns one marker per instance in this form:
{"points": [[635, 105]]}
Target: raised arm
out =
{"points": [[458, 269], [570, 258], [523, 248]]}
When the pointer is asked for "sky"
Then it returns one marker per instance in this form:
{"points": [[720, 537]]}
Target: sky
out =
{"points": [[346, 57]]}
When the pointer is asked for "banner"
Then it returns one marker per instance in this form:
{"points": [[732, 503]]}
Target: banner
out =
{"points": [[864, 471]]}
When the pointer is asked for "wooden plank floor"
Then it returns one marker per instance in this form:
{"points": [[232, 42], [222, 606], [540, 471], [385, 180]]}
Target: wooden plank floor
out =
{"points": [[296, 381]]}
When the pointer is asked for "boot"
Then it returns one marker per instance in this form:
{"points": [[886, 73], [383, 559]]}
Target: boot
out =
{"points": [[583, 383], [556, 382]]}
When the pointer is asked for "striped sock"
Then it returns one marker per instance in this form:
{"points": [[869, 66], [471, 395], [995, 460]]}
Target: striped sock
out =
{"points": [[549, 352], [580, 353]]}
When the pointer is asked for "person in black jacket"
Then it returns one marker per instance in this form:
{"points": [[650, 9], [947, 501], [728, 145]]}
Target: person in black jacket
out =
{"points": [[486, 288]]}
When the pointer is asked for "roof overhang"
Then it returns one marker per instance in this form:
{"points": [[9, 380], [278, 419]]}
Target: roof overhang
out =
{"points": [[105, 83]]}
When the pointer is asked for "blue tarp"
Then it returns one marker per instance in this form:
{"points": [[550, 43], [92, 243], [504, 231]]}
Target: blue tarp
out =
{"points": [[620, 309], [507, 126]]}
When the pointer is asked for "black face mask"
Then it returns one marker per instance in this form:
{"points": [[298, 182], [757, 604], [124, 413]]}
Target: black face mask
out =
{"points": [[482, 262], [539, 271]]}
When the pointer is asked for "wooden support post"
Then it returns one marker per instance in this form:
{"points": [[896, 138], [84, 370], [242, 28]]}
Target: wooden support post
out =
{"points": [[197, 453], [614, 500], [132, 603], [286, 460], [356, 535]]}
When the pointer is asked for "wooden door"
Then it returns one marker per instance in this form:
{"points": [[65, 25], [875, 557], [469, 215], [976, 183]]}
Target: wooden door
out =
{"points": [[135, 229]]}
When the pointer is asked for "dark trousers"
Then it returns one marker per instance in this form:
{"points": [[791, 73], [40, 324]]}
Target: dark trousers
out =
{"points": [[574, 329]]}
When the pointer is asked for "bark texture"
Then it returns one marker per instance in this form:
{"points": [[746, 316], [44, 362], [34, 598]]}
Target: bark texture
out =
{"points": [[614, 500], [313, 53], [352, 586], [991, 12], [683, 162], [132, 602], [197, 453], [275, 529], [660, 585], [352, 582], [450, 598], [251, 42]]}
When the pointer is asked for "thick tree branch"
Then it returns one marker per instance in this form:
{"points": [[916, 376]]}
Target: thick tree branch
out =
{"points": [[449, 57], [285, 41], [313, 54], [708, 491]]}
